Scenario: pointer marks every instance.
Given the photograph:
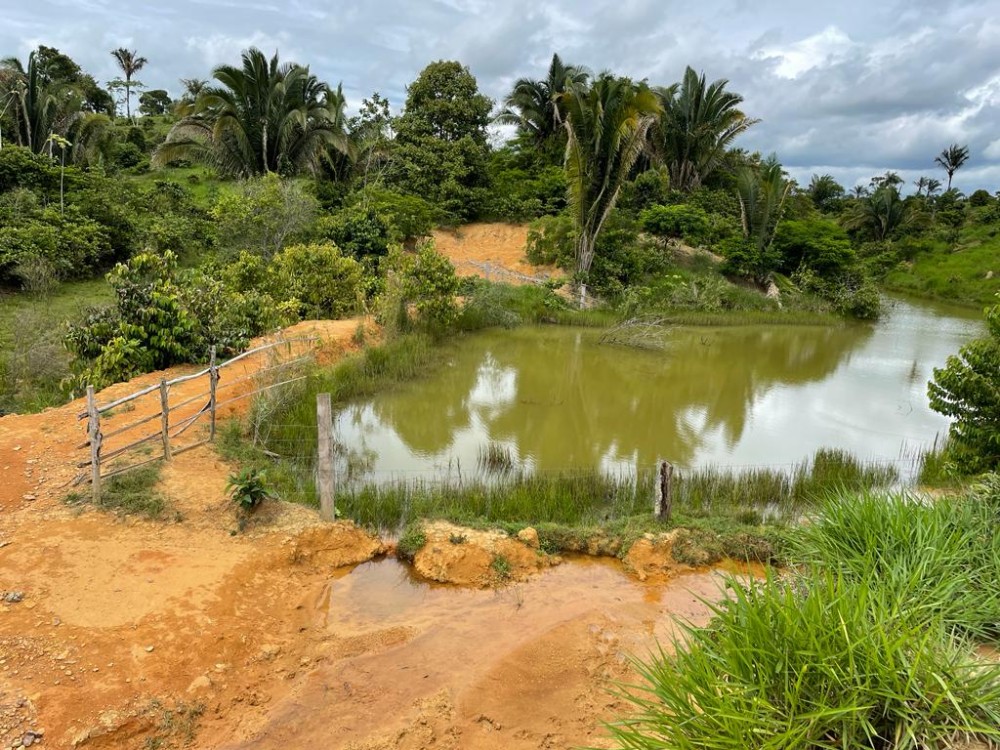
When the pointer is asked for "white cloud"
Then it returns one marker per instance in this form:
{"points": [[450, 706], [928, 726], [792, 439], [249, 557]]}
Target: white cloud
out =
{"points": [[829, 46]]}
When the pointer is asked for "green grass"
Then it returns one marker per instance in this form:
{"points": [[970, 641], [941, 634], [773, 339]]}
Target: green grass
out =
{"points": [[204, 184], [821, 661], [67, 302], [956, 274], [933, 560], [131, 493]]}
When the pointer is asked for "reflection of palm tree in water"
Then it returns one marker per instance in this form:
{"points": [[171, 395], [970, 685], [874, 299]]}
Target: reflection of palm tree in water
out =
{"points": [[578, 402]]}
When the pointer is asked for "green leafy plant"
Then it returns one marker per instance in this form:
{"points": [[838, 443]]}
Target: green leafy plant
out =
{"points": [[248, 489]]}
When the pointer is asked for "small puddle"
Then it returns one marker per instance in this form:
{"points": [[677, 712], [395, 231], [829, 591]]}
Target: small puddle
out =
{"points": [[487, 668]]}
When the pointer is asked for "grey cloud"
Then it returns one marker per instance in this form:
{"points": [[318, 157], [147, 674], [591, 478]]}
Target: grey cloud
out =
{"points": [[876, 86]]}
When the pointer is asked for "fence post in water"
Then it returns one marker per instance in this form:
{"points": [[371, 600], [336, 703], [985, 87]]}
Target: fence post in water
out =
{"points": [[665, 491], [165, 418], [213, 382], [324, 463], [94, 437]]}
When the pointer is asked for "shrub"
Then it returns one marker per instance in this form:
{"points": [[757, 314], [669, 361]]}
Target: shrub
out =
{"points": [[409, 216], [552, 241], [818, 244], [427, 281], [965, 389], [248, 489], [263, 215], [678, 222], [324, 282], [358, 232], [411, 541]]}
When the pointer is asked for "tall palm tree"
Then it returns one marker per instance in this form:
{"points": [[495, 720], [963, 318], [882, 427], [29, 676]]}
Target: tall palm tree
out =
{"points": [[952, 159], [531, 104], [131, 63], [261, 117], [920, 184], [824, 190], [698, 123], [606, 126], [932, 186]]}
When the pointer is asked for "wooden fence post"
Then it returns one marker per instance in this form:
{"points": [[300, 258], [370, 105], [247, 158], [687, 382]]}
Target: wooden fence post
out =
{"points": [[94, 437], [665, 492], [165, 418], [213, 382], [325, 478]]}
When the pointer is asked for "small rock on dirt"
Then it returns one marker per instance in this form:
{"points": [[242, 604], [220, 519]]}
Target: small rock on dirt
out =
{"points": [[149, 649], [529, 536], [29, 497], [12, 597]]}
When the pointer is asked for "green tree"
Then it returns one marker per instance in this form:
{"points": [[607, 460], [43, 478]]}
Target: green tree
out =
{"points": [[879, 214], [697, 123], [440, 151], [261, 117], [966, 389], [762, 192], [130, 63], [532, 105], [952, 159], [606, 126], [155, 102], [825, 192]]}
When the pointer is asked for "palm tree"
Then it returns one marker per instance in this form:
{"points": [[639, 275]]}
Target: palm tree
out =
{"points": [[920, 184], [761, 192], [261, 117], [859, 191], [130, 63], [606, 126], [531, 104], [824, 190], [952, 159], [880, 213], [697, 123], [37, 110], [932, 186]]}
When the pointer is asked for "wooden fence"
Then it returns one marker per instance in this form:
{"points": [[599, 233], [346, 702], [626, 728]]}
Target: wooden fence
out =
{"points": [[176, 419]]}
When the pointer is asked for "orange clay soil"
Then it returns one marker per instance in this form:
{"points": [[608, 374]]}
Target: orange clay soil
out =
{"points": [[182, 633], [493, 251]]}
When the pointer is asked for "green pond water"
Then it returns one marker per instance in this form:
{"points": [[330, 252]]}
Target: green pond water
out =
{"points": [[558, 399]]}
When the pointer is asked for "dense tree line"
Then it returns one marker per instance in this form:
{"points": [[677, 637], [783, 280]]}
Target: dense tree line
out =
{"points": [[256, 182]]}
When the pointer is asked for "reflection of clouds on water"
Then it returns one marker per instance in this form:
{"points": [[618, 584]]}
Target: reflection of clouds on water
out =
{"points": [[557, 399]]}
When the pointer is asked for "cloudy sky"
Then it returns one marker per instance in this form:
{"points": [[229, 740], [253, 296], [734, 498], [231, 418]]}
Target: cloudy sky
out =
{"points": [[851, 88]]}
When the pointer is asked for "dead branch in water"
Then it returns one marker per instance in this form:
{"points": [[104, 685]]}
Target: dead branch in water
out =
{"points": [[639, 333]]}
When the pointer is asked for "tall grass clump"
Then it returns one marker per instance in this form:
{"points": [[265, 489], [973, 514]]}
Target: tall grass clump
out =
{"points": [[820, 662], [131, 493], [932, 559]]}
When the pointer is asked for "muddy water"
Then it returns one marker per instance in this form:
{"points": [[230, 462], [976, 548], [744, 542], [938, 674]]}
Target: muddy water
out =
{"points": [[413, 665], [557, 398]]}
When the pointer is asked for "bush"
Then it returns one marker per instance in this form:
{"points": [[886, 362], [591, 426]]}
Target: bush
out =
{"points": [[263, 215], [358, 232], [819, 662], [324, 282], [552, 241], [818, 244], [678, 222], [965, 389]]}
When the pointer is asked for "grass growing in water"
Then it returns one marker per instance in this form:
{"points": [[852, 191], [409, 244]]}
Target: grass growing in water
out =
{"points": [[937, 559], [820, 662]]}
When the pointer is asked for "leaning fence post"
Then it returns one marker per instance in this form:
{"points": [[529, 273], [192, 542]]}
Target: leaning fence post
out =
{"points": [[165, 418], [213, 381], [94, 437], [665, 492], [324, 464]]}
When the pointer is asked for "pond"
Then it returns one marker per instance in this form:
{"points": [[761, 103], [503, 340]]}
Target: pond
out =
{"points": [[557, 399]]}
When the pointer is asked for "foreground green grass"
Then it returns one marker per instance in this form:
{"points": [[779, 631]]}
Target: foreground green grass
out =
{"points": [[821, 661], [871, 645]]}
